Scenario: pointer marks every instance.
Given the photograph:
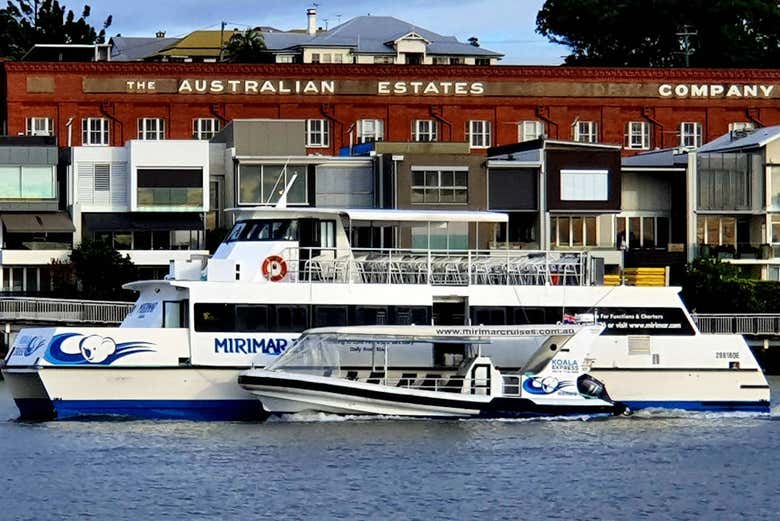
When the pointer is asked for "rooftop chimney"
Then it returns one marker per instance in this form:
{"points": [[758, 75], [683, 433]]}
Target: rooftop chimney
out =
{"points": [[311, 14], [160, 34]]}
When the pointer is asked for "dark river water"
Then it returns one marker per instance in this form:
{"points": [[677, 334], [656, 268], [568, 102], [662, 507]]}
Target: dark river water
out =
{"points": [[649, 466]]}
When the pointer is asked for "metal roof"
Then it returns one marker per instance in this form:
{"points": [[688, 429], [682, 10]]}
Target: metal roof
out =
{"points": [[135, 48], [753, 139]]}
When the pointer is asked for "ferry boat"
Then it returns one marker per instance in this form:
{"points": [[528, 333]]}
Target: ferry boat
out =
{"points": [[321, 373], [281, 271]]}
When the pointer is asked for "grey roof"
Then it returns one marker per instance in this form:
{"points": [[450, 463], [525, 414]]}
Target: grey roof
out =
{"points": [[372, 35], [135, 48], [663, 158], [529, 156], [754, 139]]}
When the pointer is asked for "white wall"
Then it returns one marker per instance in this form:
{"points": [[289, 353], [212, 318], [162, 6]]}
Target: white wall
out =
{"points": [[167, 153]]}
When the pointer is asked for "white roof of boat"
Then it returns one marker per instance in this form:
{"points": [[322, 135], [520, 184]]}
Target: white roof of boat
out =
{"points": [[448, 332], [374, 214]]}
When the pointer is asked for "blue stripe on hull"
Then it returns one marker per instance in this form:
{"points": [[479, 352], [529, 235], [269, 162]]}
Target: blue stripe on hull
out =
{"points": [[759, 406], [195, 410]]}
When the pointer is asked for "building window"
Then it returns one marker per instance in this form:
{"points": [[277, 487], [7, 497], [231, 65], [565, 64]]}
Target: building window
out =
{"points": [[638, 135], [175, 188], [317, 133], [573, 231], [27, 182], [264, 184], [479, 133], [384, 59], [690, 134], [40, 127], [284, 58], [204, 128], [326, 57], [528, 130], [370, 130], [424, 130], [725, 181], [94, 131], [482, 61], [440, 186], [151, 128], [715, 230], [315, 57], [441, 60], [440, 236], [584, 185], [586, 131], [338, 58], [641, 232]]}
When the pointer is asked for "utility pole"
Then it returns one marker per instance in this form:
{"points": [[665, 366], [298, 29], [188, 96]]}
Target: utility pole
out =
{"points": [[221, 41], [685, 42]]}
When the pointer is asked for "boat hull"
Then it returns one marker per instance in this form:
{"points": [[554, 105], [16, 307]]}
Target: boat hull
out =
{"points": [[146, 393], [280, 394]]}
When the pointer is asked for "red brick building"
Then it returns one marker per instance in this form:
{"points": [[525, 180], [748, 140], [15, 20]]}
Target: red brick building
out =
{"points": [[108, 103]]}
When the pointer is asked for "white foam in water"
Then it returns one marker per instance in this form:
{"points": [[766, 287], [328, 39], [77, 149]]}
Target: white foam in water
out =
{"points": [[663, 413], [315, 417]]}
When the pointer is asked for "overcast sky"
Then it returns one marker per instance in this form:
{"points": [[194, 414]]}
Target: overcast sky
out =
{"points": [[506, 26]]}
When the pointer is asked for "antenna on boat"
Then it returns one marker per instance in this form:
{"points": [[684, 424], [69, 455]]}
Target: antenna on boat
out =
{"points": [[282, 202]]}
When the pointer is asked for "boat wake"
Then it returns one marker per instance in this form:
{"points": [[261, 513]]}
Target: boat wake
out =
{"points": [[667, 414], [321, 417]]}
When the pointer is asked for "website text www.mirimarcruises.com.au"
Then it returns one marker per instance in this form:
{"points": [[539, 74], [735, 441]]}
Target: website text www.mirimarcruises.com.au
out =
{"points": [[504, 331]]}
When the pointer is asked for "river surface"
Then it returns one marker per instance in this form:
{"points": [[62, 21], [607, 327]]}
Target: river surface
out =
{"points": [[661, 465]]}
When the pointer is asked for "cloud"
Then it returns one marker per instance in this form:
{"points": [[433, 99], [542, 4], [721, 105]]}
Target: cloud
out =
{"points": [[506, 26]]}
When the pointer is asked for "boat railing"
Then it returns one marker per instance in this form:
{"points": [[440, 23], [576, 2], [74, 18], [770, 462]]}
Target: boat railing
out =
{"points": [[766, 324], [437, 382], [62, 310], [441, 268]]}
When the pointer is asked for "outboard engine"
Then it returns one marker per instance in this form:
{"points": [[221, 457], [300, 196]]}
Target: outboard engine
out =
{"points": [[592, 388]]}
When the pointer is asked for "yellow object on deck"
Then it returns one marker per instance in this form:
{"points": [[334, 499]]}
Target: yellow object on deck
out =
{"points": [[639, 277]]}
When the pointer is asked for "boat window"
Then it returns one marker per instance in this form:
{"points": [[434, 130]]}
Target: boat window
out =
{"points": [[175, 313], [369, 316], [251, 318], [330, 316], [293, 319], [489, 316], [418, 315], [265, 230], [214, 317]]}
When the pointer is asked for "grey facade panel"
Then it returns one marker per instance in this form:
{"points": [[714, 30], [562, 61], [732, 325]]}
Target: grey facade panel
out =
{"points": [[344, 186], [23, 155], [269, 137], [513, 189]]}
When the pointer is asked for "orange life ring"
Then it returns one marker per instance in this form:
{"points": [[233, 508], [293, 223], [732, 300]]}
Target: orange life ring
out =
{"points": [[274, 268]]}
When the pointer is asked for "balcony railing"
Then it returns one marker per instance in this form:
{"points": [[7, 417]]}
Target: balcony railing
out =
{"points": [[740, 324]]}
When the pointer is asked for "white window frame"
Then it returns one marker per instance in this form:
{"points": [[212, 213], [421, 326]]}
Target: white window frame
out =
{"points": [[479, 133], [317, 133], [95, 132], [425, 130], [586, 131], [656, 217], [151, 129], [573, 183], [638, 135], [439, 187], [721, 226], [529, 130], [205, 128], [370, 130], [38, 126], [690, 134]]}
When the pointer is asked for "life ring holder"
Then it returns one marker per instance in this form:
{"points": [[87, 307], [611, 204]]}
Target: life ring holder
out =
{"points": [[274, 268]]}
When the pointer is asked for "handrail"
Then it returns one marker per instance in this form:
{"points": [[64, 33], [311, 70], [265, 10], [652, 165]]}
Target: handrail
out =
{"points": [[738, 323], [34, 309], [441, 268]]}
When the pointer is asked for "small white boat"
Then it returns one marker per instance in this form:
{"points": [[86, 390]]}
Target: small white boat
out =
{"points": [[434, 372]]}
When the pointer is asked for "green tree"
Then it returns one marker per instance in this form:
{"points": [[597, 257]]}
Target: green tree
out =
{"points": [[247, 47], [99, 271], [22, 26], [646, 33]]}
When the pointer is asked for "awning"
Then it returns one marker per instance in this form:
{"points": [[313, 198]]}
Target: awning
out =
{"points": [[127, 222], [56, 222]]}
